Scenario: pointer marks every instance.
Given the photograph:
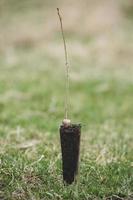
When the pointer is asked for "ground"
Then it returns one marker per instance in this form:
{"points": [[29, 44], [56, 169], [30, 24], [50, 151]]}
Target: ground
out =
{"points": [[99, 41]]}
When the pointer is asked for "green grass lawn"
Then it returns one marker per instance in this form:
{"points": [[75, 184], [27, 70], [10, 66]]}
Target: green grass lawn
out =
{"points": [[32, 109]]}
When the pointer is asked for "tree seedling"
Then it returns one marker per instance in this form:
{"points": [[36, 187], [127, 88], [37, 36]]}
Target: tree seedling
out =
{"points": [[69, 133]]}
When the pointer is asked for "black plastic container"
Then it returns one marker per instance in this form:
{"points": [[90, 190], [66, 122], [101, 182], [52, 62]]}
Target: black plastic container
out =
{"points": [[70, 147]]}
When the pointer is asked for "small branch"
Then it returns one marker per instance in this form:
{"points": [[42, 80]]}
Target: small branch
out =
{"points": [[67, 68]]}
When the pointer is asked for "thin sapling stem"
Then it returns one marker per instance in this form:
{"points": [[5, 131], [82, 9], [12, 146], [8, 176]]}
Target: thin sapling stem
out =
{"points": [[67, 95]]}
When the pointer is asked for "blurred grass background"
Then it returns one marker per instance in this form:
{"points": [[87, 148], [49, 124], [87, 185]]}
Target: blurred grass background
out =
{"points": [[99, 37]]}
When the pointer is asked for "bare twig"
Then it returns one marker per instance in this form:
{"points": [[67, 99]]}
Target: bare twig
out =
{"points": [[67, 68]]}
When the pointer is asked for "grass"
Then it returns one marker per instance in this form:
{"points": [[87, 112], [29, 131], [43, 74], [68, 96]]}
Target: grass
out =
{"points": [[32, 107]]}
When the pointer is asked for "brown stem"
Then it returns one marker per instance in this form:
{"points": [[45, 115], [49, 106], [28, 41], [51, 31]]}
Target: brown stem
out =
{"points": [[67, 68]]}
